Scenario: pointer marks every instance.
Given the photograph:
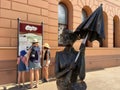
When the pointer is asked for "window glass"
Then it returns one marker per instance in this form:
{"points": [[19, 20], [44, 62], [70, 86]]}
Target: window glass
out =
{"points": [[62, 21], [84, 15], [62, 14]]}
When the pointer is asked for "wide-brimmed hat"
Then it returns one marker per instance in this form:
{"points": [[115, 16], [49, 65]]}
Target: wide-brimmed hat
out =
{"points": [[35, 41], [46, 45]]}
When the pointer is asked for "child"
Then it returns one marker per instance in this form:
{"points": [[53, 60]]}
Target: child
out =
{"points": [[22, 64]]}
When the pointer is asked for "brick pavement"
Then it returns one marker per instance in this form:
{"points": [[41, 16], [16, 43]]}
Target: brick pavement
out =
{"points": [[103, 79]]}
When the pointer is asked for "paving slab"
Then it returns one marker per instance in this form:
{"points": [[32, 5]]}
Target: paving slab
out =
{"points": [[103, 79]]}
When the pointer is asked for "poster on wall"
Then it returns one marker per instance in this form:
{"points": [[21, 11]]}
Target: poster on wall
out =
{"points": [[27, 33]]}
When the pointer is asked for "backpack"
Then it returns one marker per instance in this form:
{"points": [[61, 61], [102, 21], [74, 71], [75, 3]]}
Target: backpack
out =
{"points": [[33, 54]]}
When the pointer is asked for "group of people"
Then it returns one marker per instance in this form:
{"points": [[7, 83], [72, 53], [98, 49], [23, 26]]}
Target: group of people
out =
{"points": [[30, 61]]}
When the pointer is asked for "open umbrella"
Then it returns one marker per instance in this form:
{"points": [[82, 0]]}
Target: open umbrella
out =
{"points": [[93, 25], [91, 29]]}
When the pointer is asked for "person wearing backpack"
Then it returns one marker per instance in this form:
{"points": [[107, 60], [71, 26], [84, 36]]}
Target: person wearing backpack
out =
{"points": [[34, 56], [22, 64]]}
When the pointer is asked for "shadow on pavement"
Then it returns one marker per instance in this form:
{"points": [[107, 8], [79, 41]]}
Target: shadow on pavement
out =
{"points": [[19, 88], [97, 69], [15, 87]]}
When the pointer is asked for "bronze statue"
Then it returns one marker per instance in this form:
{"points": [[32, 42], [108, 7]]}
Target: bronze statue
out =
{"points": [[66, 70], [69, 63]]}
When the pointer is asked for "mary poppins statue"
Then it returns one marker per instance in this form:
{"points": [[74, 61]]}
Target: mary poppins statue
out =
{"points": [[66, 70], [70, 64]]}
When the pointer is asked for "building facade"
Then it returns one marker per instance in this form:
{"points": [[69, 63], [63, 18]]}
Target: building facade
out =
{"points": [[56, 15]]}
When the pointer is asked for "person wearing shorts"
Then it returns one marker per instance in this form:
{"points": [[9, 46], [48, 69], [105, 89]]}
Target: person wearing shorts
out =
{"points": [[46, 61], [34, 54]]}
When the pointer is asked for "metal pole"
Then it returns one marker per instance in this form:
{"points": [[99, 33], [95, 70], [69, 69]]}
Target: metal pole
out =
{"points": [[18, 30], [42, 24], [83, 42]]}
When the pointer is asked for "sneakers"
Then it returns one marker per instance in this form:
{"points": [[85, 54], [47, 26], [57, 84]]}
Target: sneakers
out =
{"points": [[21, 86], [44, 80], [33, 86], [36, 86], [30, 87]]}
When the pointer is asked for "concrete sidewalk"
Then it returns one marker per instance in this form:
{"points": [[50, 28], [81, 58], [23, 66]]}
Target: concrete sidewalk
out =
{"points": [[104, 79]]}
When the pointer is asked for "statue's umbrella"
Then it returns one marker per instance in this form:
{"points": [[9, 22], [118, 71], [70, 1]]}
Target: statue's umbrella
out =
{"points": [[93, 25], [91, 29]]}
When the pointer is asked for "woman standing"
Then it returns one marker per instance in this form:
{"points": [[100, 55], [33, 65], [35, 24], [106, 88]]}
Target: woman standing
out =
{"points": [[34, 54], [46, 61]]}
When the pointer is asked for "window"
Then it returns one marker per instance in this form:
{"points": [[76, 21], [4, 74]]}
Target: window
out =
{"points": [[84, 15], [62, 21], [116, 31]]}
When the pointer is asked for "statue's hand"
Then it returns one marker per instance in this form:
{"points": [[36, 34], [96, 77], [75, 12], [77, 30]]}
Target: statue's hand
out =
{"points": [[68, 77], [72, 66], [82, 47]]}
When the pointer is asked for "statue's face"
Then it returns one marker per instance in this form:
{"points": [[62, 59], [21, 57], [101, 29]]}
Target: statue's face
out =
{"points": [[67, 40], [68, 37]]}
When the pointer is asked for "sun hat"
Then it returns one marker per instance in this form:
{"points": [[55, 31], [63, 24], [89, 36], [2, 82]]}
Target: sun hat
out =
{"points": [[35, 41], [46, 45]]}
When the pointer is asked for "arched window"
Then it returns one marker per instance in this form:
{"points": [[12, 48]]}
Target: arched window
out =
{"points": [[105, 41], [116, 32], [114, 29], [84, 15], [62, 20]]}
